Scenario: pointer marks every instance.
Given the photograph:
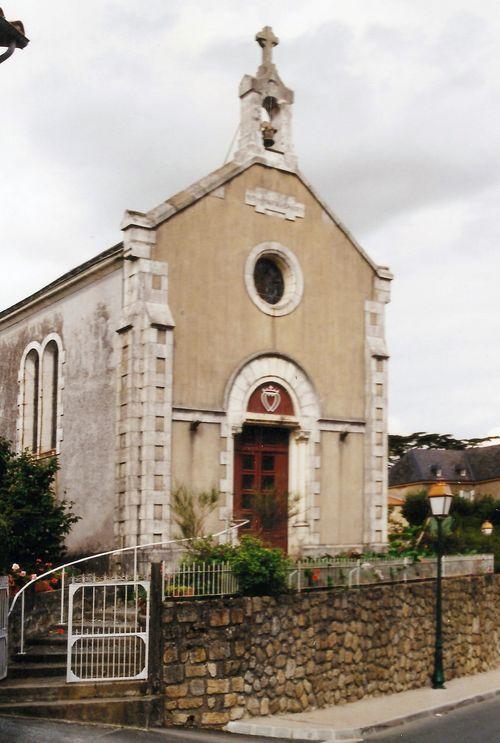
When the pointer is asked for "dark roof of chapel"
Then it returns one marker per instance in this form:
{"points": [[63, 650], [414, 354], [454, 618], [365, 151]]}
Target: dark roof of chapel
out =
{"points": [[420, 465], [115, 250], [181, 200]]}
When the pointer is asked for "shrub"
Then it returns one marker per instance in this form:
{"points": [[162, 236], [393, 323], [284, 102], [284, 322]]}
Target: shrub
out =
{"points": [[261, 570], [461, 530], [208, 551], [34, 521], [273, 508], [191, 510], [416, 508]]}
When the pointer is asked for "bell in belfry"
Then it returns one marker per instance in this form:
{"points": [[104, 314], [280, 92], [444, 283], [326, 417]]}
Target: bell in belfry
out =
{"points": [[268, 132]]}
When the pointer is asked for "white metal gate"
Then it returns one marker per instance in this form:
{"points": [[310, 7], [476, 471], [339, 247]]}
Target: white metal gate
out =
{"points": [[4, 624], [108, 628]]}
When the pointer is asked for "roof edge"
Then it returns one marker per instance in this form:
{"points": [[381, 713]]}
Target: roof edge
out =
{"points": [[217, 178], [70, 277], [382, 272]]}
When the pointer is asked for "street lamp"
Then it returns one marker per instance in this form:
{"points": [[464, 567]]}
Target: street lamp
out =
{"points": [[487, 528], [440, 498], [12, 36]]}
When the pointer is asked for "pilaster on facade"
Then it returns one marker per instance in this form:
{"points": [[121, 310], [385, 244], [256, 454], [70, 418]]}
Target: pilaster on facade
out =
{"points": [[376, 356], [144, 394]]}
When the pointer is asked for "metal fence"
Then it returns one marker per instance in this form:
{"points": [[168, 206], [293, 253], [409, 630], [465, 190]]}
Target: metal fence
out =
{"points": [[191, 580], [467, 565], [4, 623], [125, 563], [199, 579], [108, 624], [329, 572]]}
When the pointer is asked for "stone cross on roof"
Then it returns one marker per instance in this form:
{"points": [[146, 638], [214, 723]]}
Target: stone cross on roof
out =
{"points": [[266, 39]]}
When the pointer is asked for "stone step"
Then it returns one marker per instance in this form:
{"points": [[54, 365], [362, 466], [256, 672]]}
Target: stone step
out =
{"points": [[137, 711], [56, 689], [96, 657], [39, 670], [35, 670], [48, 640], [47, 654]]}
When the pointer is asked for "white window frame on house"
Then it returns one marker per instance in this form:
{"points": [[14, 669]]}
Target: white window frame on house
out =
{"points": [[39, 422]]}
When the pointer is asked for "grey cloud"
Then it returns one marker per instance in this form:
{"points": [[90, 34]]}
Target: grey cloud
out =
{"points": [[111, 109]]}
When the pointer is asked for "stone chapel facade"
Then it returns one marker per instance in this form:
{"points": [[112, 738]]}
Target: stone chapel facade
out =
{"points": [[234, 339]]}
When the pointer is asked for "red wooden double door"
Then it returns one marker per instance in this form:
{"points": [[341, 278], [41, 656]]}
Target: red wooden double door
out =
{"points": [[261, 483]]}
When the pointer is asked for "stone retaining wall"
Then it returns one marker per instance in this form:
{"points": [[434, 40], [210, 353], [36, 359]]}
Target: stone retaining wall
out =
{"points": [[225, 659]]}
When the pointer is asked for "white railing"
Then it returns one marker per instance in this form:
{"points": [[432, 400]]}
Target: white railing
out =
{"points": [[340, 571], [4, 608], [467, 564], [66, 574], [203, 579], [108, 629], [197, 580]]}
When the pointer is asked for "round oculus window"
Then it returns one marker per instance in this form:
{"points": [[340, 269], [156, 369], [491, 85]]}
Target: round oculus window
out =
{"points": [[269, 280], [273, 278]]}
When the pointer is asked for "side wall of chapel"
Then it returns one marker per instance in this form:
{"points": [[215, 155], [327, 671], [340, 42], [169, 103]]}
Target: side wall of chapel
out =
{"points": [[83, 318]]}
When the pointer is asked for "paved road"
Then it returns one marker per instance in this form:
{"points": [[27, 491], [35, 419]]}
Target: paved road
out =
{"points": [[475, 723], [24, 730]]}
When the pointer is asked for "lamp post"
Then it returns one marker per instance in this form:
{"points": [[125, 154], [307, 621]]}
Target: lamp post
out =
{"points": [[440, 498], [11, 36], [487, 528]]}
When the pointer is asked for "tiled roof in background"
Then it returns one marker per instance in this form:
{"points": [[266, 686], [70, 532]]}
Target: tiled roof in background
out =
{"points": [[466, 465]]}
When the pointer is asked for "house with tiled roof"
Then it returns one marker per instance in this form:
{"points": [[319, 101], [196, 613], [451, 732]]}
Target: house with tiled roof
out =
{"points": [[471, 473]]}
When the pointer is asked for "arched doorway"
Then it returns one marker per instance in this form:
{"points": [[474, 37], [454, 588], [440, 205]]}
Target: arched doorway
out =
{"points": [[290, 403], [261, 466], [261, 482]]}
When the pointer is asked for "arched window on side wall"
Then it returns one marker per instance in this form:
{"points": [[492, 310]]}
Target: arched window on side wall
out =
{"points": [[49, 383], [31, 374]]}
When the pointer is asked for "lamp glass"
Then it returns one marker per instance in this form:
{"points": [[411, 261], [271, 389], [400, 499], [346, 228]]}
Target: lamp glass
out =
{"points": [[440, 504]]}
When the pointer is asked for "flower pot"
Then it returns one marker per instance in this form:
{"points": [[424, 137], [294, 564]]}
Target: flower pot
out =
{"points": [[43, 585]]}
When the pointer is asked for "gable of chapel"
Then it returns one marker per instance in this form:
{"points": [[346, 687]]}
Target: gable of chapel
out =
{"points": [[207, 247]]}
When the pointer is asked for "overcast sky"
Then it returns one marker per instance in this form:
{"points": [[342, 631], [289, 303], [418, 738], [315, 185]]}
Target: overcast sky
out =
{"points": [[118, 104]]}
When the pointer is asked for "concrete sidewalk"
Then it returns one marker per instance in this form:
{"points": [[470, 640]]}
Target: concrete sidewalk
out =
{"points": [[350, 722]]}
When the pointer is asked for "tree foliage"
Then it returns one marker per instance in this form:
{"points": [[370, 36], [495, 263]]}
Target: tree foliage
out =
{"points": [[261, 570], [399, 445], [415, 508], [191, 509], [273, 509], [33, 522], [462, 530]]}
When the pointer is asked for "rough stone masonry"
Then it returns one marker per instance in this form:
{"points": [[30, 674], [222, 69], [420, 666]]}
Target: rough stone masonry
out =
{"points": [[227, 659]]}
